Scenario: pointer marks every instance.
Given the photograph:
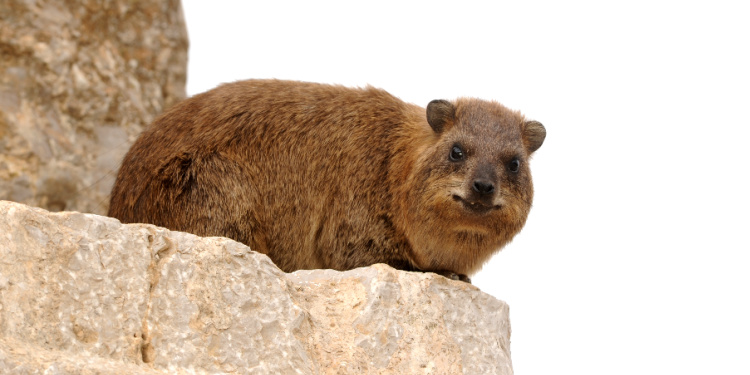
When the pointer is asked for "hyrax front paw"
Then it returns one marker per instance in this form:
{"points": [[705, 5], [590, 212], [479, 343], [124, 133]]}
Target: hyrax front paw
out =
{"points": [[455, 276]]}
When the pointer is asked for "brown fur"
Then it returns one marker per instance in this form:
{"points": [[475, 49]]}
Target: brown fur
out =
{"points": [[320, 176]]}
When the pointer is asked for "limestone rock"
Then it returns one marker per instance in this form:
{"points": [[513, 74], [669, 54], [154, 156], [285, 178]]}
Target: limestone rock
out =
{"points": [[81, 293], [78, 82]]}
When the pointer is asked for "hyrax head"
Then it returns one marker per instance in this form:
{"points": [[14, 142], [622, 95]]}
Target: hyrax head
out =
{"points": [[474, 182], [485, 152]]}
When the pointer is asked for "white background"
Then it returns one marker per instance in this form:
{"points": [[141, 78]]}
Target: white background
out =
{"points": [[635, 258]]}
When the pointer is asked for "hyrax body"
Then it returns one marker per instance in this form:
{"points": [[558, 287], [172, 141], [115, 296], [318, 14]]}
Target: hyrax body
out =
{"points": [[319, 176]]}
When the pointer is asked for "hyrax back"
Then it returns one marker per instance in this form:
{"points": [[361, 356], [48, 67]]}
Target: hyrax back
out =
{"points": [[319, 176]]}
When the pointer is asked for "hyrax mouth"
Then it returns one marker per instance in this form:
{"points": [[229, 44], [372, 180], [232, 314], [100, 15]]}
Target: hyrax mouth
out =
{"points": [[475, 206]]}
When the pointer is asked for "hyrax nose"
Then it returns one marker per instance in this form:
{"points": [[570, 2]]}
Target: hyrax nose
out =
{"points": [[484, 187]]}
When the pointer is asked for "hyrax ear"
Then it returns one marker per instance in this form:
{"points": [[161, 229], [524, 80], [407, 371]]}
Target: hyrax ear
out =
{"points": [[533, 135], [440, 113]]}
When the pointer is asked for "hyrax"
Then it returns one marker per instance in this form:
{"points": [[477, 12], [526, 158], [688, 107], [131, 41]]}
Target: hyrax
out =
{"points": [[319, 176]]}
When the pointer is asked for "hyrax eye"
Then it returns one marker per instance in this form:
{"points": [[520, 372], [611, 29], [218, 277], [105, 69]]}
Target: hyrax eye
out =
{"points": [[457, 154], [514, 165]]}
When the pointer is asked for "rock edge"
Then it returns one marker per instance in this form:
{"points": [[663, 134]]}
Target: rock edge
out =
{"points": [[82, 293]]}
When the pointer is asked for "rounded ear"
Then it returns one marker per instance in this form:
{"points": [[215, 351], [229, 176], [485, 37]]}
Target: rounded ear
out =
{"points": [[439, 114], [533, 135]]}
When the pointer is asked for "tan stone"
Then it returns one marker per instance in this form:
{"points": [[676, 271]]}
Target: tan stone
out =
{"points": [[78, 82], [81, 293]]}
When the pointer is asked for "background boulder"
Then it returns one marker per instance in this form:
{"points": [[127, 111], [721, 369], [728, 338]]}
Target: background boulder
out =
{"points": [[78, 82]]}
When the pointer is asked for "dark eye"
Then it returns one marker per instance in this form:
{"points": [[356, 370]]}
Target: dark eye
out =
{"points": [[514, 165], [457, 154]]}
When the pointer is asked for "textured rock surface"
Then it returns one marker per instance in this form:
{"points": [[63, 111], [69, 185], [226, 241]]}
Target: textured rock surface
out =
{"points": [[83, 293], [78, 82]]}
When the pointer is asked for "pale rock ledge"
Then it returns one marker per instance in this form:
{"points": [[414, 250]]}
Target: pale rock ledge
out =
{"points": [[85, 294]]}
